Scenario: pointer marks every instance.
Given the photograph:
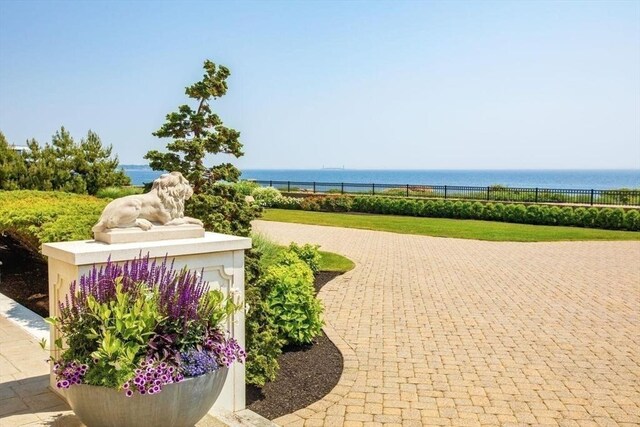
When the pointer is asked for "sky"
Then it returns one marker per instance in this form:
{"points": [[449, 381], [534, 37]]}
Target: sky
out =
{"points": [[360, 84]]}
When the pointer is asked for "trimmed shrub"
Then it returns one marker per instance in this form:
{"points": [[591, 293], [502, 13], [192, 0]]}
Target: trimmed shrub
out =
{"points": [[515, 213], [632, 220], [534, 215], [335, 203], [37, 217], [566, 216], [266, 196], [512, 212]]}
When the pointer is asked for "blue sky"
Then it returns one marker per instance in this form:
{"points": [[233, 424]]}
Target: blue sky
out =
{"points": [[415, 85]]}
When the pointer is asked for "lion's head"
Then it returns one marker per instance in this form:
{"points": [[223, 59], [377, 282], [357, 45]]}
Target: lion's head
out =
{"points": [[173, 189]]}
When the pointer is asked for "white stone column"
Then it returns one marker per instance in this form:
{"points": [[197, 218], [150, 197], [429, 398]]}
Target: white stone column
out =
{"points": [[220, 256]]}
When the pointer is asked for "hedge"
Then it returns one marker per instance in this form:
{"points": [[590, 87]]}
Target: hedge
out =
{"points": [[36, 217], [608, 218]]}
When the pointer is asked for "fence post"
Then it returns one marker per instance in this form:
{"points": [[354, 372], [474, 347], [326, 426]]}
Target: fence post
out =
{"points": [[488, 189], [373, 189], [289, 186], [314, 187], [407, 190], [536, 194], [592, 191], [445, 192], [342, 188], [270, 183]]}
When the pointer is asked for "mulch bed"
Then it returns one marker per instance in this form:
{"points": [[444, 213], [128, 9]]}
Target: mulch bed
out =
{"points": [[23, 276], [307, 373]]}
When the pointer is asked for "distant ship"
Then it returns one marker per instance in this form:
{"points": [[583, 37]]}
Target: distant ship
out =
{"points": [[333, 169]]}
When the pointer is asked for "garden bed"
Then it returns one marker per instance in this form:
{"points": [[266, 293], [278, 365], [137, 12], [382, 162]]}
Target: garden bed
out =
{"points": [[307, 373]]}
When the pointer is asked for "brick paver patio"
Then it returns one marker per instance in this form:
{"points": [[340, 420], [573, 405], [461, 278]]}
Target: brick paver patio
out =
{"points": [[441, 331]]}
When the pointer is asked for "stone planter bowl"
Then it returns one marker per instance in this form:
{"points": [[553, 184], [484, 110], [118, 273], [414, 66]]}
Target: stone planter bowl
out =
{"points": [[178, 405]]}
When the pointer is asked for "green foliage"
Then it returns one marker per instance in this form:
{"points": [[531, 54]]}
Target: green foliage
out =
{"points": [[632, 220], [262, 339], [266, 196], [307, 253], [126, 324], [296, 311], [36, 217], [12, 166], [268, 250], [245, 188], [63, 165], [223, 210], [609, 218], [117, 192], [199, 131]]}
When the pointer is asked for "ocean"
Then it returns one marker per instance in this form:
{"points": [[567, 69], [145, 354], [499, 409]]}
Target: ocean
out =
{"points": [[561, 179]]}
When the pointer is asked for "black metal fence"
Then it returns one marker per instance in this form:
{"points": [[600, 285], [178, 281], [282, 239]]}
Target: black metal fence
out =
{"points": [[489, 193]]}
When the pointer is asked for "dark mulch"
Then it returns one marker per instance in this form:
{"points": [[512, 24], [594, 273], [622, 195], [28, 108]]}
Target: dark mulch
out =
{"points": [[23, 276], [307, 373]]}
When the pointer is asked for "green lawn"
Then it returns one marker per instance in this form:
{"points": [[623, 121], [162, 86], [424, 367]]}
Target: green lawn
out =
{"points": [[334, 262], [443, 227]]}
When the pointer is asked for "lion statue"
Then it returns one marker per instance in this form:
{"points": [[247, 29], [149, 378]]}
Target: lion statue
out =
{"points": [[163, 205]]}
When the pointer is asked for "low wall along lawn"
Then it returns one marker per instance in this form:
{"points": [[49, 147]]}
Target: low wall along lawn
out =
{"points": [[592, 217]]}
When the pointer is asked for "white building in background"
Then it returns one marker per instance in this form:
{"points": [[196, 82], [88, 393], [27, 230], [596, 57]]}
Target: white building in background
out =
{"points": [[22, 149]]}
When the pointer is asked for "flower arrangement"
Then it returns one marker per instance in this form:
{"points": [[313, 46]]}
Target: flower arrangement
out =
{"points": [[141, 326]]}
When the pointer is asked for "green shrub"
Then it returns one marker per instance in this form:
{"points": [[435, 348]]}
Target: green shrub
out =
{"points": [[266, 196], [36, 217], [579, 215], [589, 218], [296, 311], [116, 192], [457, 210], [614, 218], [246, 188], [632, 220], [534, 215], [515, 213], [307, 253], [512, 212], [285, 202], [335, 203], [602, 220]]}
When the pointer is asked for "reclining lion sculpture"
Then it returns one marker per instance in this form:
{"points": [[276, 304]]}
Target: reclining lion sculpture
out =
{"points": [[163, 205]]}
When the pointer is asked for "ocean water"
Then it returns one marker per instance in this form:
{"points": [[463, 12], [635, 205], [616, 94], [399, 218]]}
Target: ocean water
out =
{"points": [[562, 179]]}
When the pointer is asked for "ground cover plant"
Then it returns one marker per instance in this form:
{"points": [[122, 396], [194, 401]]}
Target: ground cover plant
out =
{"points": [[607, 218], [141, 326], [36, 217], [443, 227]]}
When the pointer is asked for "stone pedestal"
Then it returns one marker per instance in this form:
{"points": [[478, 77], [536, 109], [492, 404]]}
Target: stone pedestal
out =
{"points": [[219, 255]]}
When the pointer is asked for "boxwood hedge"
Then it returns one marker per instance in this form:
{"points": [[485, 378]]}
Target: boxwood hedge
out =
{"points": [[592, 217]]}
